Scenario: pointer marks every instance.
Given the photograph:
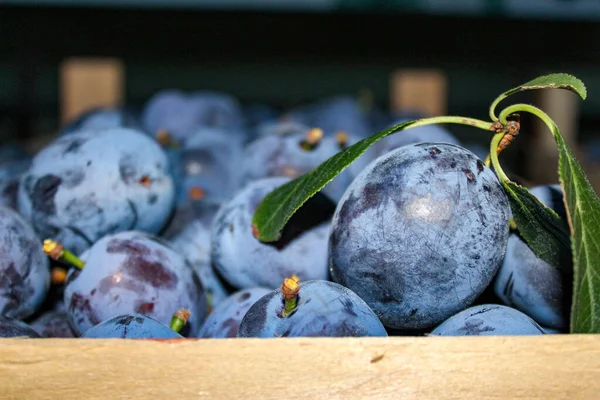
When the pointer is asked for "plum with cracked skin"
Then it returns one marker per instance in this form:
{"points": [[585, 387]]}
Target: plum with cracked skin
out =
{"points": [[86, 185], [12, 328], [488, 320], [321, 309], [530, 284], [420, 233], [133, 272], [24, 267], [131, 326], [246, 262], [225, 319]]}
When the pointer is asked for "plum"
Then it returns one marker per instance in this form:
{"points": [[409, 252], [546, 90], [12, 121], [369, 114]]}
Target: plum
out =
{"points": [[193, 243], [225, 319], [182, 114], [530, 284], [86, 185], [102, 118], [488, 320], [131, 326], [10, 174], [12, 328], [133, 272], [246, 262], [420, 233], [292, 155], [23, 265], [321, 308], [53, 324]]}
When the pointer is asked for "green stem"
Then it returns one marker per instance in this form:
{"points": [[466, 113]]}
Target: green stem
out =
{"points": [[73, 259], [290, 305], [55, 250], [180, 318], [477, 123], [494, 156], [516, 108]]}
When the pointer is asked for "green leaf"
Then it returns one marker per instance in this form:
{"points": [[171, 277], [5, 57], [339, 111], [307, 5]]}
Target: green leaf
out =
{"points": [[552, 81], [278, 206], [541, 228], [583, 210]]}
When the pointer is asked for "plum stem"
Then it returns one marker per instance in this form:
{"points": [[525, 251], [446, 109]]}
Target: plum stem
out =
{"points": [[180, 318], [312, 139], [290, 289], [56, 251], [494, 156]]}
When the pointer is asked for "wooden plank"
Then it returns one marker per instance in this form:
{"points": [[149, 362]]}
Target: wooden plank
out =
{"points": [[542, 156], [534, 367], [418, 90], [87, 83]]}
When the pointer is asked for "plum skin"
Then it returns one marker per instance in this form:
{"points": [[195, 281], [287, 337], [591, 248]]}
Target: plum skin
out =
{"points": [[134, 326], [420, 233], [324, 309], [133, 272], [488, 320], [24, 267]]}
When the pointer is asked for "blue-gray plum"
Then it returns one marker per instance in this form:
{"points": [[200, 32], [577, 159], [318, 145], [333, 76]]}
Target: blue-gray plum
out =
{"points": [[24, 267], [488, 320], [131, 326], [12, 328], [225, 319], [420, 233], [53, 324], [182, 114], [246, 262], [323, 309], [102, 118], [133, 272], [10, 174], [530, 284], [86, 185], [421, 134], [193, 242], [209, 162], [289, 156]]}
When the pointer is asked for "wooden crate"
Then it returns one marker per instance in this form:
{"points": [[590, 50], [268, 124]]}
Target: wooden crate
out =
{"points": [[526, 367]]}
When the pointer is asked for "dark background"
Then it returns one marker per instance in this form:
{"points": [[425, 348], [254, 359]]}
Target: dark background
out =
{"points": [[290, 57]]}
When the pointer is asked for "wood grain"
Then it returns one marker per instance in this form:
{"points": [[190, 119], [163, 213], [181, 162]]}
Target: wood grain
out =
{"points": [[540, 367], [87, 83], [418, 90]]}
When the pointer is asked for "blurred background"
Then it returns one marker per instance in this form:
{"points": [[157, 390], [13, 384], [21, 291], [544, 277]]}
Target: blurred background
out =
{"points": [[287, 53]]}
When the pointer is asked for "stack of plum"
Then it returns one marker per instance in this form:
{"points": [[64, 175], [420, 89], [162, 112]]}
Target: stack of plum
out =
{"points": [[138, 225]]}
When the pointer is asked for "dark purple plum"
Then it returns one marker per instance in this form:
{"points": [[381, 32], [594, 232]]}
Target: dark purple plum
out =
{"points": [[246, 262], [131, 326], [323, 309], [13, 328], [12, 153], [225, 319], [488, 320], [133, 272], [53, 324], [24, 267], [193, 243], [530, 284], [420, 233], [86, 185]]}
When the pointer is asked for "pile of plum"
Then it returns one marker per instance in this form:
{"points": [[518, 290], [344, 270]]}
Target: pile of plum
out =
{"points": [[139, 225]]}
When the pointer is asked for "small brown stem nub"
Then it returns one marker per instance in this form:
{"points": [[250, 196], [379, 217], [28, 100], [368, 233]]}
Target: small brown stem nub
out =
{"points": [[196, 193], [312, 139], [342, 138], [290, 289], [58, 276], [511, 129]]}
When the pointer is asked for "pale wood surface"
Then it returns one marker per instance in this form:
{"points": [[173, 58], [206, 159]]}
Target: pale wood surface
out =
{"points": [[540, 367], [87, 83], [418, 90]]}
